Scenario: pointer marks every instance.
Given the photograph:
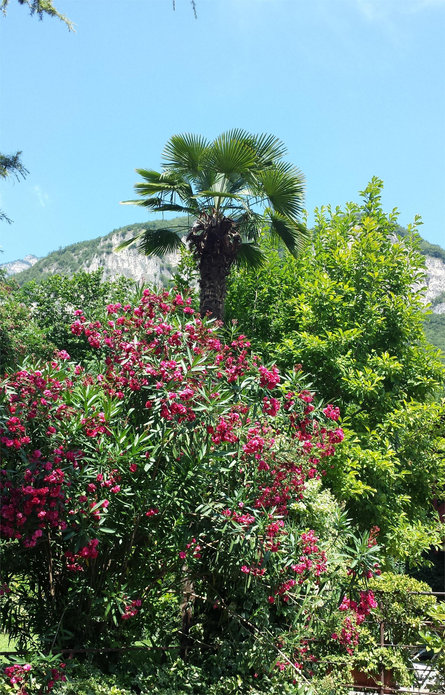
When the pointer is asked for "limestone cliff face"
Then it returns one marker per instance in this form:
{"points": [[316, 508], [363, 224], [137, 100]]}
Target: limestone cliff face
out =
{"points": [[14, 267], [435, 283], [129, 262]]}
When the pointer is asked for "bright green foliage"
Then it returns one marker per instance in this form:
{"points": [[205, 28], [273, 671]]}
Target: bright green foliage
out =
{"points": [[54, 300], [350, 310], [20, 336], [40, 8]]}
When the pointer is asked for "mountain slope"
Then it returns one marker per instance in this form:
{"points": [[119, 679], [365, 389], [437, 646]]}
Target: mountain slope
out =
{"points": [[100, 253], [14, 267]]}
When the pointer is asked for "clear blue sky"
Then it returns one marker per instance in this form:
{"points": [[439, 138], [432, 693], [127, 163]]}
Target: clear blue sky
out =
{"points": [[355, 88]]}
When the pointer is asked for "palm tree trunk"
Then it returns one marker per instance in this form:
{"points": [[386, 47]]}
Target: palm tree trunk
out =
{"points": [[216, 243], [213, 288]]}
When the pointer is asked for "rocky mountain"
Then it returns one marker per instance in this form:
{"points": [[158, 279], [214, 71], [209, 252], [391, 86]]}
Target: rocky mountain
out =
{"points": [[14, 267], [435, 293], [101, 253]]}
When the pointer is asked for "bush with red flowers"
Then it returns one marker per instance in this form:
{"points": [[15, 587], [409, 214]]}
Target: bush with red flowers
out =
{"points": [[162, 491]]}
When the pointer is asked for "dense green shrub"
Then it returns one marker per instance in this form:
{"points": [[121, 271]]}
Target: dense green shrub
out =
{"points": [[350, 310], [53, 300], [20, 335]]}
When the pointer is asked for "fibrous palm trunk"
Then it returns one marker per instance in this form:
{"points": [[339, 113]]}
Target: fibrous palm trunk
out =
{"points": [[215, 242], [213, 287]]}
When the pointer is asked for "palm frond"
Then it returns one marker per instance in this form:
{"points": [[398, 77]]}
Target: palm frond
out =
{"points": [[205, 180], [157, 188], [249, 224], [217, 194], [128, 242], [164, 187], [158, 242], [293, 234], [230, 156], [284, 189], [250, 255], [268, 148], [158, 205], [185, 153], [173, 207], [150, 175]]}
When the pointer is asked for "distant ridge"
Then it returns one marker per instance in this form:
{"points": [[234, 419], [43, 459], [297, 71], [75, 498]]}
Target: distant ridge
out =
{"points": [[18, 266], [100, 253]]}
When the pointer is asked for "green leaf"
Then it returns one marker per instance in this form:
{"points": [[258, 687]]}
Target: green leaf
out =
{"points": [[250, 255], [159, 242], [284, 189], [186, 153], [230, 156], [293, 234]]}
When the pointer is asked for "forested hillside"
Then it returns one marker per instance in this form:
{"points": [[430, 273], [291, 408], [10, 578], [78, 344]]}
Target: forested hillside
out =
{"points": [[101, 253]]}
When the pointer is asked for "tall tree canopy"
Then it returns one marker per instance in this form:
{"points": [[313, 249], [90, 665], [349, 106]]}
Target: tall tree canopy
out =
{"points": [[231, 189], [350, 309]]}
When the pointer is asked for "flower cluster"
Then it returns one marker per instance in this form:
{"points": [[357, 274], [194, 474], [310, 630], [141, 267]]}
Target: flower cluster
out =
{"points": [[16, 675], [356, 613], [311, 564], [19, 674], [88, 551], [192, 549], [131, 609]]}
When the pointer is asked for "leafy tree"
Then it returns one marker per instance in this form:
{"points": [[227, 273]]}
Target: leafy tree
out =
{"points": [[350, 310], [53, 301], [11, 165], [231, 188], [20, 336], [40, 8], [172, 491]]}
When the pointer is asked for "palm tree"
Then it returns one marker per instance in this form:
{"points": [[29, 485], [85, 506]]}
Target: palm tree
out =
{"points": [[231, 189]]}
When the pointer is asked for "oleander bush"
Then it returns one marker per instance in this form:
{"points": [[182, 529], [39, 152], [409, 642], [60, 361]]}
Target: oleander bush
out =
{"points": [[170, 490]]}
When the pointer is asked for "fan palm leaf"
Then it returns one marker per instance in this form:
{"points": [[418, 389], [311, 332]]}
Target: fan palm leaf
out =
{"points": [[250, 255], [154, 242], [158, 242], [293, 234], [284, 190], [228, 156], [185, 154]]}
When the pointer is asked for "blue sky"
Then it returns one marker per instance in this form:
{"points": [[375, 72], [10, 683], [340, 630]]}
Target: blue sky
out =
{"points": [[355, 88]]}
